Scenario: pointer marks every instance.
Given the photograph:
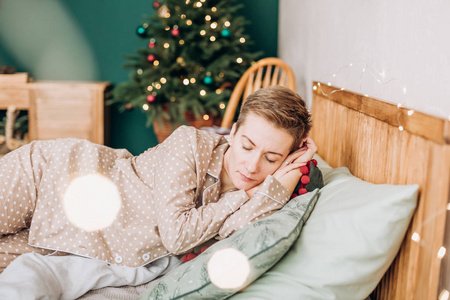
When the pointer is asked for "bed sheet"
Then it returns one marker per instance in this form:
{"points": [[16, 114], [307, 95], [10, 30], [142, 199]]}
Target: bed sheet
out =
{"points": [[35, 276]]}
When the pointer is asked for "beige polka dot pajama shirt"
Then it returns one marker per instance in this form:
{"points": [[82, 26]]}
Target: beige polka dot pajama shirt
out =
{"points": [[171, 199]]}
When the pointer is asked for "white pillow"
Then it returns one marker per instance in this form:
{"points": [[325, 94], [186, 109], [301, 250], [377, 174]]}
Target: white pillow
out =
{"points": [[346, 246]]}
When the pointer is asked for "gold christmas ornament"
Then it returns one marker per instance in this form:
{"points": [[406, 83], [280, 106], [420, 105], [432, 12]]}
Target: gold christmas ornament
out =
{"points": [[164, 11]]}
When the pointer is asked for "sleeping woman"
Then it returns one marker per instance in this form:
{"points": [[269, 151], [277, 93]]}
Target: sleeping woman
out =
{"points": [[194, 186]]}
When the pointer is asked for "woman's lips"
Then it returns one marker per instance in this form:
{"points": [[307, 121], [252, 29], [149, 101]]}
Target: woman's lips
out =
{"points": [[245, 178]]}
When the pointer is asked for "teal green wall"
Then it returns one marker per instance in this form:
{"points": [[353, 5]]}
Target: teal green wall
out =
{"points": [[86, 40]]}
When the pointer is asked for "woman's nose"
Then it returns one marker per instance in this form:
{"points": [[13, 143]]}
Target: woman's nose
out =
{"points": [[253, 164]]}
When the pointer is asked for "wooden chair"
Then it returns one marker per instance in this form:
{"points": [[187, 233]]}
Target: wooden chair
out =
{"points": [[265, 72]]}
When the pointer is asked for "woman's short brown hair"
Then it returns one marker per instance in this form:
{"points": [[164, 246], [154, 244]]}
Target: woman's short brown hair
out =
{"points": [[282, 107]]}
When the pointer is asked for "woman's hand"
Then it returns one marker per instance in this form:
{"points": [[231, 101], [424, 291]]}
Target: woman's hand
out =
{"points": [[288, 174], [297, 158]]}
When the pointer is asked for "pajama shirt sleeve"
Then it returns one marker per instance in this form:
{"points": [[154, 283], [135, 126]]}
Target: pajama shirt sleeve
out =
{"points": [[20, 175], [270, 197], [182, 223]]}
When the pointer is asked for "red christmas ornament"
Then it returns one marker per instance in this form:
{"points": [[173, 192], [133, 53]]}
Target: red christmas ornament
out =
{"points": [[151, 57], [152, 43], [156, 4], [175, 31], [314, 162], [151, 98]]}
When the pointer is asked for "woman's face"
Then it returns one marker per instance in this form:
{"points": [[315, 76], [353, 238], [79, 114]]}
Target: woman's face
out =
{"points": [[256, 150]]}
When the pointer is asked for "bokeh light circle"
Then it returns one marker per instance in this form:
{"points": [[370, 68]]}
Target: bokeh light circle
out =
{"points": [[91, 202]]}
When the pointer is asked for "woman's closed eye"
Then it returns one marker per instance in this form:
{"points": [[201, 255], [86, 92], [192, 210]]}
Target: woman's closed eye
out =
{"points": [[250, 148], [246, 148], [270, 160]]}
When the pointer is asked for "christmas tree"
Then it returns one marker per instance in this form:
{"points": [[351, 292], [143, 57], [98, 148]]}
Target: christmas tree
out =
{"points": [[195, 52]]}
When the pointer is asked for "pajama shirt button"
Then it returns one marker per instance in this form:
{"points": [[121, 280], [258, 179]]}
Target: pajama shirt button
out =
{"points": [[146, 256], [118, 259]]}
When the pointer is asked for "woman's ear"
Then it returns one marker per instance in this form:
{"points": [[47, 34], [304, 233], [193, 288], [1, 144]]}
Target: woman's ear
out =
{"points": [[232, 133], [303, 144]]}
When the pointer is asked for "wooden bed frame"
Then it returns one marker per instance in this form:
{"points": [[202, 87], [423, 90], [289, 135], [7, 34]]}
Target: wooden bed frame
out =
{"points": [[384, 143]]}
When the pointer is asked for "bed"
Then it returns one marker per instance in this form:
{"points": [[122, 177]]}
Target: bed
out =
{"points": [[379, 143]]}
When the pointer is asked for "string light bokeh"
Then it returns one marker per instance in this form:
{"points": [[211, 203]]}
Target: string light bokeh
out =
{"points": [[380, 78]]}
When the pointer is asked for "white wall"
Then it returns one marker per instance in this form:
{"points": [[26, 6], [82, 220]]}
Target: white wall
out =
{"points": [[404, 47]]}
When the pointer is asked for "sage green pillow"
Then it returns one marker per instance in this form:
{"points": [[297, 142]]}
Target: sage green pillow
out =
{"points": [[262, 243], [348, 243]]}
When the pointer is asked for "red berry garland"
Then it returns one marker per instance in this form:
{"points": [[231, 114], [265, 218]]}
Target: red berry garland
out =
{"points": [[304, 180], [190, 256]]}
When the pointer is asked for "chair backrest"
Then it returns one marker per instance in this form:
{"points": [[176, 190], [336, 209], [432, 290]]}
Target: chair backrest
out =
{"points": [[265, 72]]}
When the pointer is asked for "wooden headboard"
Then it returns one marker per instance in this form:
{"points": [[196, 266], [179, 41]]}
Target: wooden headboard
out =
{"points": [[384, 143]]}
